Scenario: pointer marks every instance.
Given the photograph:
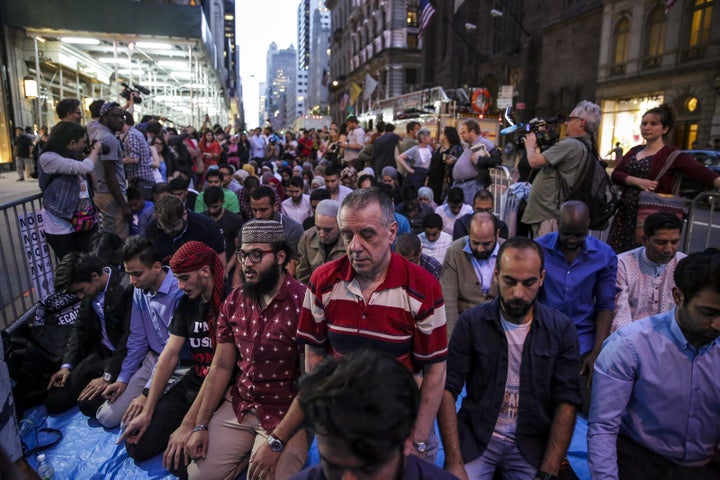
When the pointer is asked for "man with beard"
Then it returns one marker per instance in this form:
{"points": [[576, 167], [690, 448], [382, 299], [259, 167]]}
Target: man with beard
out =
{"points": [[255, 338], [467, 274], [321, 243], [655, 391], [199, 273], [580, 282], [520, 361]]}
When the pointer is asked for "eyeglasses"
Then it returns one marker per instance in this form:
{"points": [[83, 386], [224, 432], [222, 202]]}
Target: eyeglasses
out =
{"points": [[255, 255]]}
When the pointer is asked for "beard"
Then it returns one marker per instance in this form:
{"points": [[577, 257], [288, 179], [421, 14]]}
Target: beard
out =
{"points": [[484, 255], [265, 283], [515, 308]]}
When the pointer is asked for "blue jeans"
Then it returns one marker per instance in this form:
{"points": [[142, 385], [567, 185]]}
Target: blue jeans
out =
{"points": [[504, 455]]}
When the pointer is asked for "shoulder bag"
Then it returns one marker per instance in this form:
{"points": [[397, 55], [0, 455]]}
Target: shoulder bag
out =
{"points": [[651, 202]]}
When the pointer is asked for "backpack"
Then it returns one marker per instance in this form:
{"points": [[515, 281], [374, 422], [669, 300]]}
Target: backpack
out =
{"points": [[594, 189]]}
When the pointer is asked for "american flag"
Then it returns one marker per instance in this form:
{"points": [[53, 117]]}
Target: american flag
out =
{"points": [[426, 13]]}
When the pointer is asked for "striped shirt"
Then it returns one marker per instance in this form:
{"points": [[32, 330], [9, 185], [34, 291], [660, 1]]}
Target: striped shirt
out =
{"points": [[405, 316]]}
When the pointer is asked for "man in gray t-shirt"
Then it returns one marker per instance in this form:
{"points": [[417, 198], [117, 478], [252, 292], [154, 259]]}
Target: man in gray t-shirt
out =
{"points": [[564, 158], [109, 190]]}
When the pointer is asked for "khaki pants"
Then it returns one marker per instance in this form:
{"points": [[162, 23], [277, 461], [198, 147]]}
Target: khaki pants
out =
{"points": [[110, 414], [544, 227], [112, 218], [232, 443]]}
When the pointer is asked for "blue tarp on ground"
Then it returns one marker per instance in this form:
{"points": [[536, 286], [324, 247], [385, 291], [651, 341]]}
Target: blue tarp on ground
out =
{"points": [[88, 451]]}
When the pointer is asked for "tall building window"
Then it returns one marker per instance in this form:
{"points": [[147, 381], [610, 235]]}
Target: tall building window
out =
{"points": [[621, 46], [412, 41], [700, 23], [412, 17], [654, 38]]}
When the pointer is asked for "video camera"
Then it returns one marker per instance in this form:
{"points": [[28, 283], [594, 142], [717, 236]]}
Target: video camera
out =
{"points": [[544, 130], [127, 92]]}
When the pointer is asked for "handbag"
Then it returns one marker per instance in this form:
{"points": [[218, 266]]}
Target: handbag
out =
{"points": [[84, 220], [651, 202]]}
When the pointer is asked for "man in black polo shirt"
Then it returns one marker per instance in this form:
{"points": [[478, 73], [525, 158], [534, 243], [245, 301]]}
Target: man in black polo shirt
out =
{"points": [[174, 225]]}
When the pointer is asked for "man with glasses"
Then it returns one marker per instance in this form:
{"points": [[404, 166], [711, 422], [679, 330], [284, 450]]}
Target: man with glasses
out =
{"points": [[467, 275], [483, 201], [263, 207], [580, 282], [255, 337], [565, 158], [174, 225]]}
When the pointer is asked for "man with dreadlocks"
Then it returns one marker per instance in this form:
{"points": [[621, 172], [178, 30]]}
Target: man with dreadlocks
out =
{"points": [[255, 336], [199, 272]]}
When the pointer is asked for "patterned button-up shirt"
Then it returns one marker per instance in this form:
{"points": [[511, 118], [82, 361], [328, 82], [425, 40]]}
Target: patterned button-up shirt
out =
{"points": [[268, 356], [136, 146]]}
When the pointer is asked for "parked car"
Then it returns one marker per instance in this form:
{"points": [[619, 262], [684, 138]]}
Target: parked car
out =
{"points": [[709, 158]]}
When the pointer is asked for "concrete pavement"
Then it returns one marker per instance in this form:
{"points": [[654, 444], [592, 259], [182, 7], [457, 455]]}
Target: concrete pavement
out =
{"points": [[10, 190]]}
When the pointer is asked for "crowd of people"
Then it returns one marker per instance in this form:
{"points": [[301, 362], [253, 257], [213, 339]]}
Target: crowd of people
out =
{"points": [[355, 286]]}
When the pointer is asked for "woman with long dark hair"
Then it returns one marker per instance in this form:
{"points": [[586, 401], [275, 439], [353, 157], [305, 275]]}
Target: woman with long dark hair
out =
{"points": [[449, 150], [639, 168], [70, 218]]}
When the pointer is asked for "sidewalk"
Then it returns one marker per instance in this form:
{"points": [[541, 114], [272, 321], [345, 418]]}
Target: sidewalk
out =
{"points": [[11, 190]]}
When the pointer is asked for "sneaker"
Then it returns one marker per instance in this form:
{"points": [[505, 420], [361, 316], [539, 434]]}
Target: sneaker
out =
{"points": [[20, 180]]}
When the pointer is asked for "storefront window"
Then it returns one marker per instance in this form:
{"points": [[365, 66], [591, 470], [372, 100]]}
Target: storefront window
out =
{"points": [[621, 121]]}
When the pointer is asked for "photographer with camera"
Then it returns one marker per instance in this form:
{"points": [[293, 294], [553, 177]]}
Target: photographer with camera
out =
{"points": [[70, 219], [470, 171], [565, 159], [137, 158]]}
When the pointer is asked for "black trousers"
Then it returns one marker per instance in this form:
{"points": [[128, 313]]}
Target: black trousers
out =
{"points": [[636, 462], [61, 399], [168, 415]]}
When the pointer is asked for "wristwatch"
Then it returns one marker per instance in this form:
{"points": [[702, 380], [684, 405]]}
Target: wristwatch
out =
{"points": [[107, 377], [276, 445], [546, 476], [420, 446]]}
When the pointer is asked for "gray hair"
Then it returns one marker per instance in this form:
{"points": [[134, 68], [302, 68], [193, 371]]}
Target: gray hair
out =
{"points": [[423, 132], [363, 197], [590, 112]]}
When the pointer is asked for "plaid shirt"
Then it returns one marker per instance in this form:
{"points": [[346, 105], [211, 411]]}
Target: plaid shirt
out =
{"points": [[136, 146]]}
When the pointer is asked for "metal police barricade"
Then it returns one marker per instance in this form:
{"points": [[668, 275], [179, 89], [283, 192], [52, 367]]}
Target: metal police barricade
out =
{"points": [[26, 260], [703, 222], [500, 181]]}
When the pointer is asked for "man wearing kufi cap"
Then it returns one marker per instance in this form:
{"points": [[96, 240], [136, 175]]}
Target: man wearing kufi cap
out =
{"points": [[255, 337], [321, 243], [200, 276]]}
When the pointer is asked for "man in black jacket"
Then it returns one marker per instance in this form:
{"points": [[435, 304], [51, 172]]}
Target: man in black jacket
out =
{"points": [[97, 344]]}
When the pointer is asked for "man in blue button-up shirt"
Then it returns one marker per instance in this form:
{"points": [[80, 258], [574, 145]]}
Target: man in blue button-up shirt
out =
{"points": [[155, 297], [580, 282], [655, 394]]}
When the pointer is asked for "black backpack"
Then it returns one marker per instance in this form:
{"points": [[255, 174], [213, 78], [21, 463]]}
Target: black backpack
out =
{"points": [[594, 188]]}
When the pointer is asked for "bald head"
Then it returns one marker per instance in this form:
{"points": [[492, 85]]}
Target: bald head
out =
{"points": [[483, 234], [573, 223], [575, 215]]}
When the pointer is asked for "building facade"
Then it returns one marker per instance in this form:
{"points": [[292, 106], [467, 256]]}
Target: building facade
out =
{"points": [[280, 100], [378, 38], [83, 49], [650, 55]]}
